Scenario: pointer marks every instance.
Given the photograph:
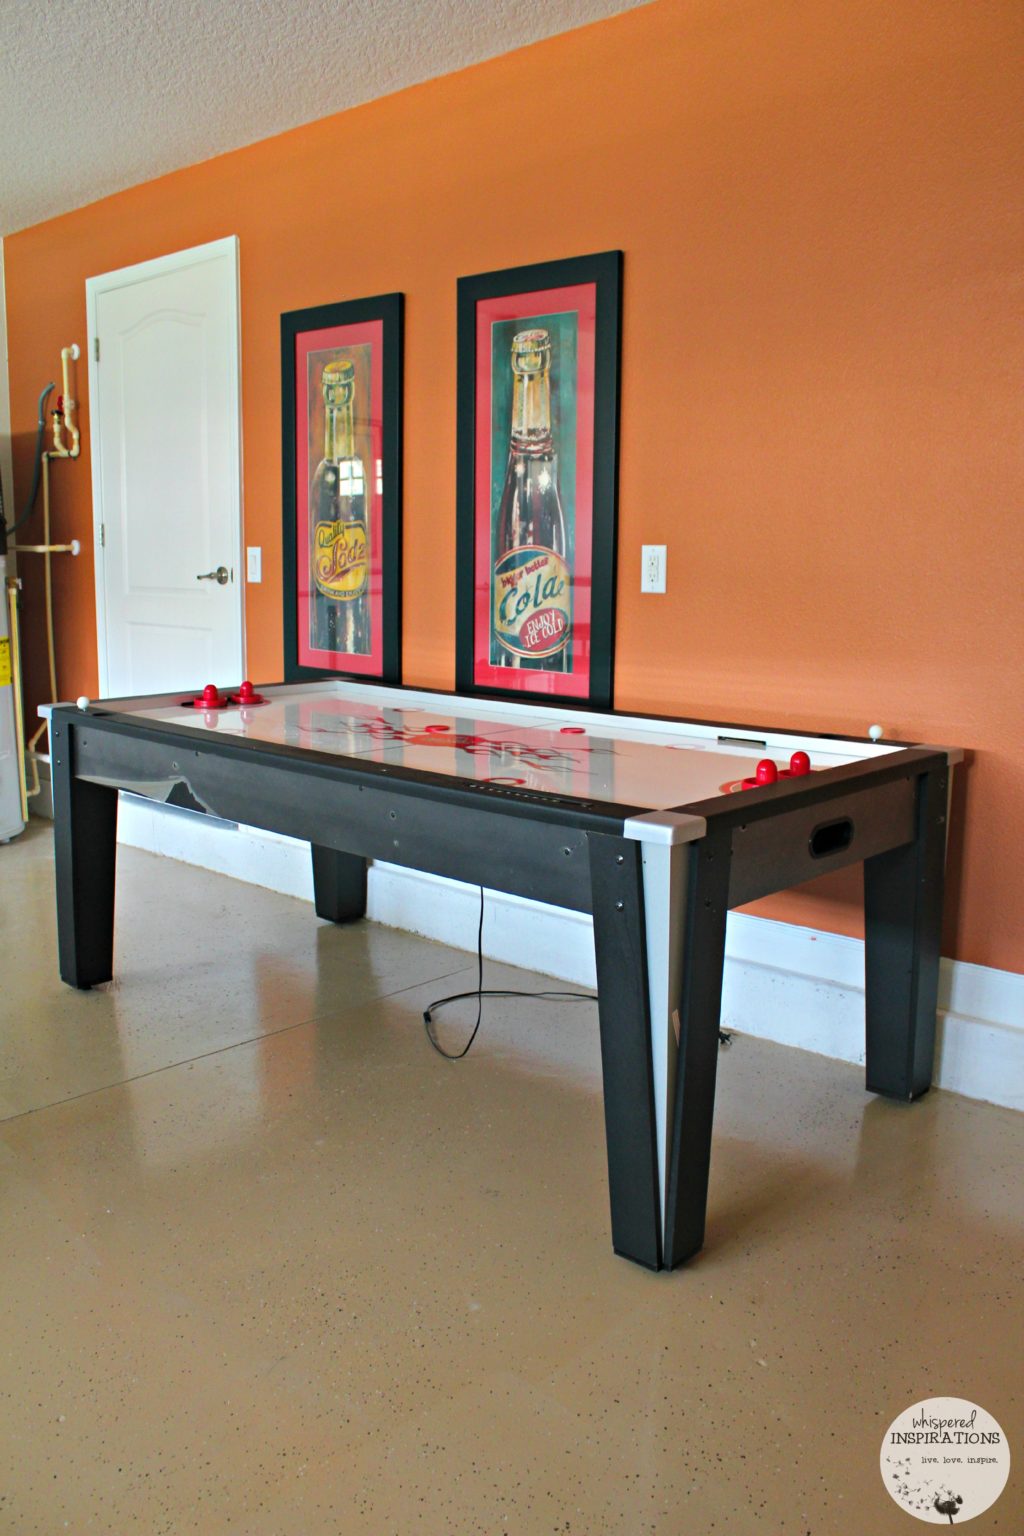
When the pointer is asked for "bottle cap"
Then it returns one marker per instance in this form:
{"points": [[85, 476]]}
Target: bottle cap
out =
{"points": [[531, 351], [337, 381]]}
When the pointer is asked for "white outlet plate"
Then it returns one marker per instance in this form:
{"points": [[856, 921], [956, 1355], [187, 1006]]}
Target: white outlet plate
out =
{"points": [[652, 567], [254, 563]]}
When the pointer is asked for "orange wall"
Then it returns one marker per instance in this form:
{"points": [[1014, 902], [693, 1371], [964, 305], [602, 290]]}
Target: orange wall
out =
{"points": [[816, 203]]}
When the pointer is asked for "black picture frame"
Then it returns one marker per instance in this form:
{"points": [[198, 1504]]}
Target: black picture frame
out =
{"points": [[493, 294], [374, 325]]}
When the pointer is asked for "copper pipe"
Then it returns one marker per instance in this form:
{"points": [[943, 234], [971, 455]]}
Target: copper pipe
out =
{"points": [[19, 702]]}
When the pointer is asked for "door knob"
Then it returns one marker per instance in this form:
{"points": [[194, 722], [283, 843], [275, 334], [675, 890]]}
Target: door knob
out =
{"points": [[220, 576]]}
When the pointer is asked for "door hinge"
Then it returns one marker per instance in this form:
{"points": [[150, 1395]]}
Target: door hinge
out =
{"points": [[96, 348], [103, 535]]}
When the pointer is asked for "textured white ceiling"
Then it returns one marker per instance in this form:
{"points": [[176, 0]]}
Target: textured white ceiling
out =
{"points": [[100, 96]]}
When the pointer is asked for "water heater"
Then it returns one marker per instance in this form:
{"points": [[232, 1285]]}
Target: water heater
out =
{"points": [[11, 819]]}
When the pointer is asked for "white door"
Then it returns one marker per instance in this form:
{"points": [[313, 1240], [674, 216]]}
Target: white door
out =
{"points": [[166, 470]]}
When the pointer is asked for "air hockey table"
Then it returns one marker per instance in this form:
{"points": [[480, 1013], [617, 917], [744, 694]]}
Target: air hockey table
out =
{"points": [[642, 821]]}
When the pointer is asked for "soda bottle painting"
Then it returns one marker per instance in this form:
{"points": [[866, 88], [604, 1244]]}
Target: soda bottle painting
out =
{"points": [[339, 552], [531, 570]]}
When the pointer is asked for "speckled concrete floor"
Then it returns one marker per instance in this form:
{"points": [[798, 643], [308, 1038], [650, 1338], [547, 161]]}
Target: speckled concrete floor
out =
{"points": [[271, 1266]]}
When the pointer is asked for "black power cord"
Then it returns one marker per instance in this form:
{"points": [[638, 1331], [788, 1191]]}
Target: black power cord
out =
{"points": [[480, 992]]}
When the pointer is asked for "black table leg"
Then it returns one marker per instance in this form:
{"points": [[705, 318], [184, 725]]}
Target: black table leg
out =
{"points": [[339, 884], [903, 892], [616, 876], [85, 845], [700, 1010]]}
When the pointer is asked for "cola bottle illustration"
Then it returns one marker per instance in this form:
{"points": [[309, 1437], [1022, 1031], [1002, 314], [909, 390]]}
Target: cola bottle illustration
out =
{"points": [[339, 540], [531, 588]]}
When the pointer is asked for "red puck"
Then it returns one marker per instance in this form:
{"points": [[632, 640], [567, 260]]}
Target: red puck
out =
{"points": [[434, 729], [571, 730]]}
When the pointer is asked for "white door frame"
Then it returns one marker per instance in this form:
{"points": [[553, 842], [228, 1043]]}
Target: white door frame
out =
{"points": [[161, 266]]}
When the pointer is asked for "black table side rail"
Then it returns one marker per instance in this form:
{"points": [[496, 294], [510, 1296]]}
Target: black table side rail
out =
{"points": [[592, 815], [341, 805], [586, 815]]}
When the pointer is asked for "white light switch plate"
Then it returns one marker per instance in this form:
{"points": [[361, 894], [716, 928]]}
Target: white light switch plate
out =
{"points": [[652, 567], [254, 562]]}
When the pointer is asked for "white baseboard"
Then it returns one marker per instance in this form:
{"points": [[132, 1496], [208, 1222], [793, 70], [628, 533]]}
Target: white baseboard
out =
{"points": [[793, 985]]}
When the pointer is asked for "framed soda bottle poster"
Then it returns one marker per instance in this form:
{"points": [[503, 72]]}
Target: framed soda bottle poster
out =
{"points": [[538, 358], [341, 394]]}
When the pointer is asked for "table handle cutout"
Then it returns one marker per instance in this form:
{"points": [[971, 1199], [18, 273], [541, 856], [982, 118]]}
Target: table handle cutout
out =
{"points": [[831, 837]]}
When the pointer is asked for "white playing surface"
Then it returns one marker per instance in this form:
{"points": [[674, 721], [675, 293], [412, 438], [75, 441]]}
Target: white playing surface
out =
{"points": [[565, 752]]}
